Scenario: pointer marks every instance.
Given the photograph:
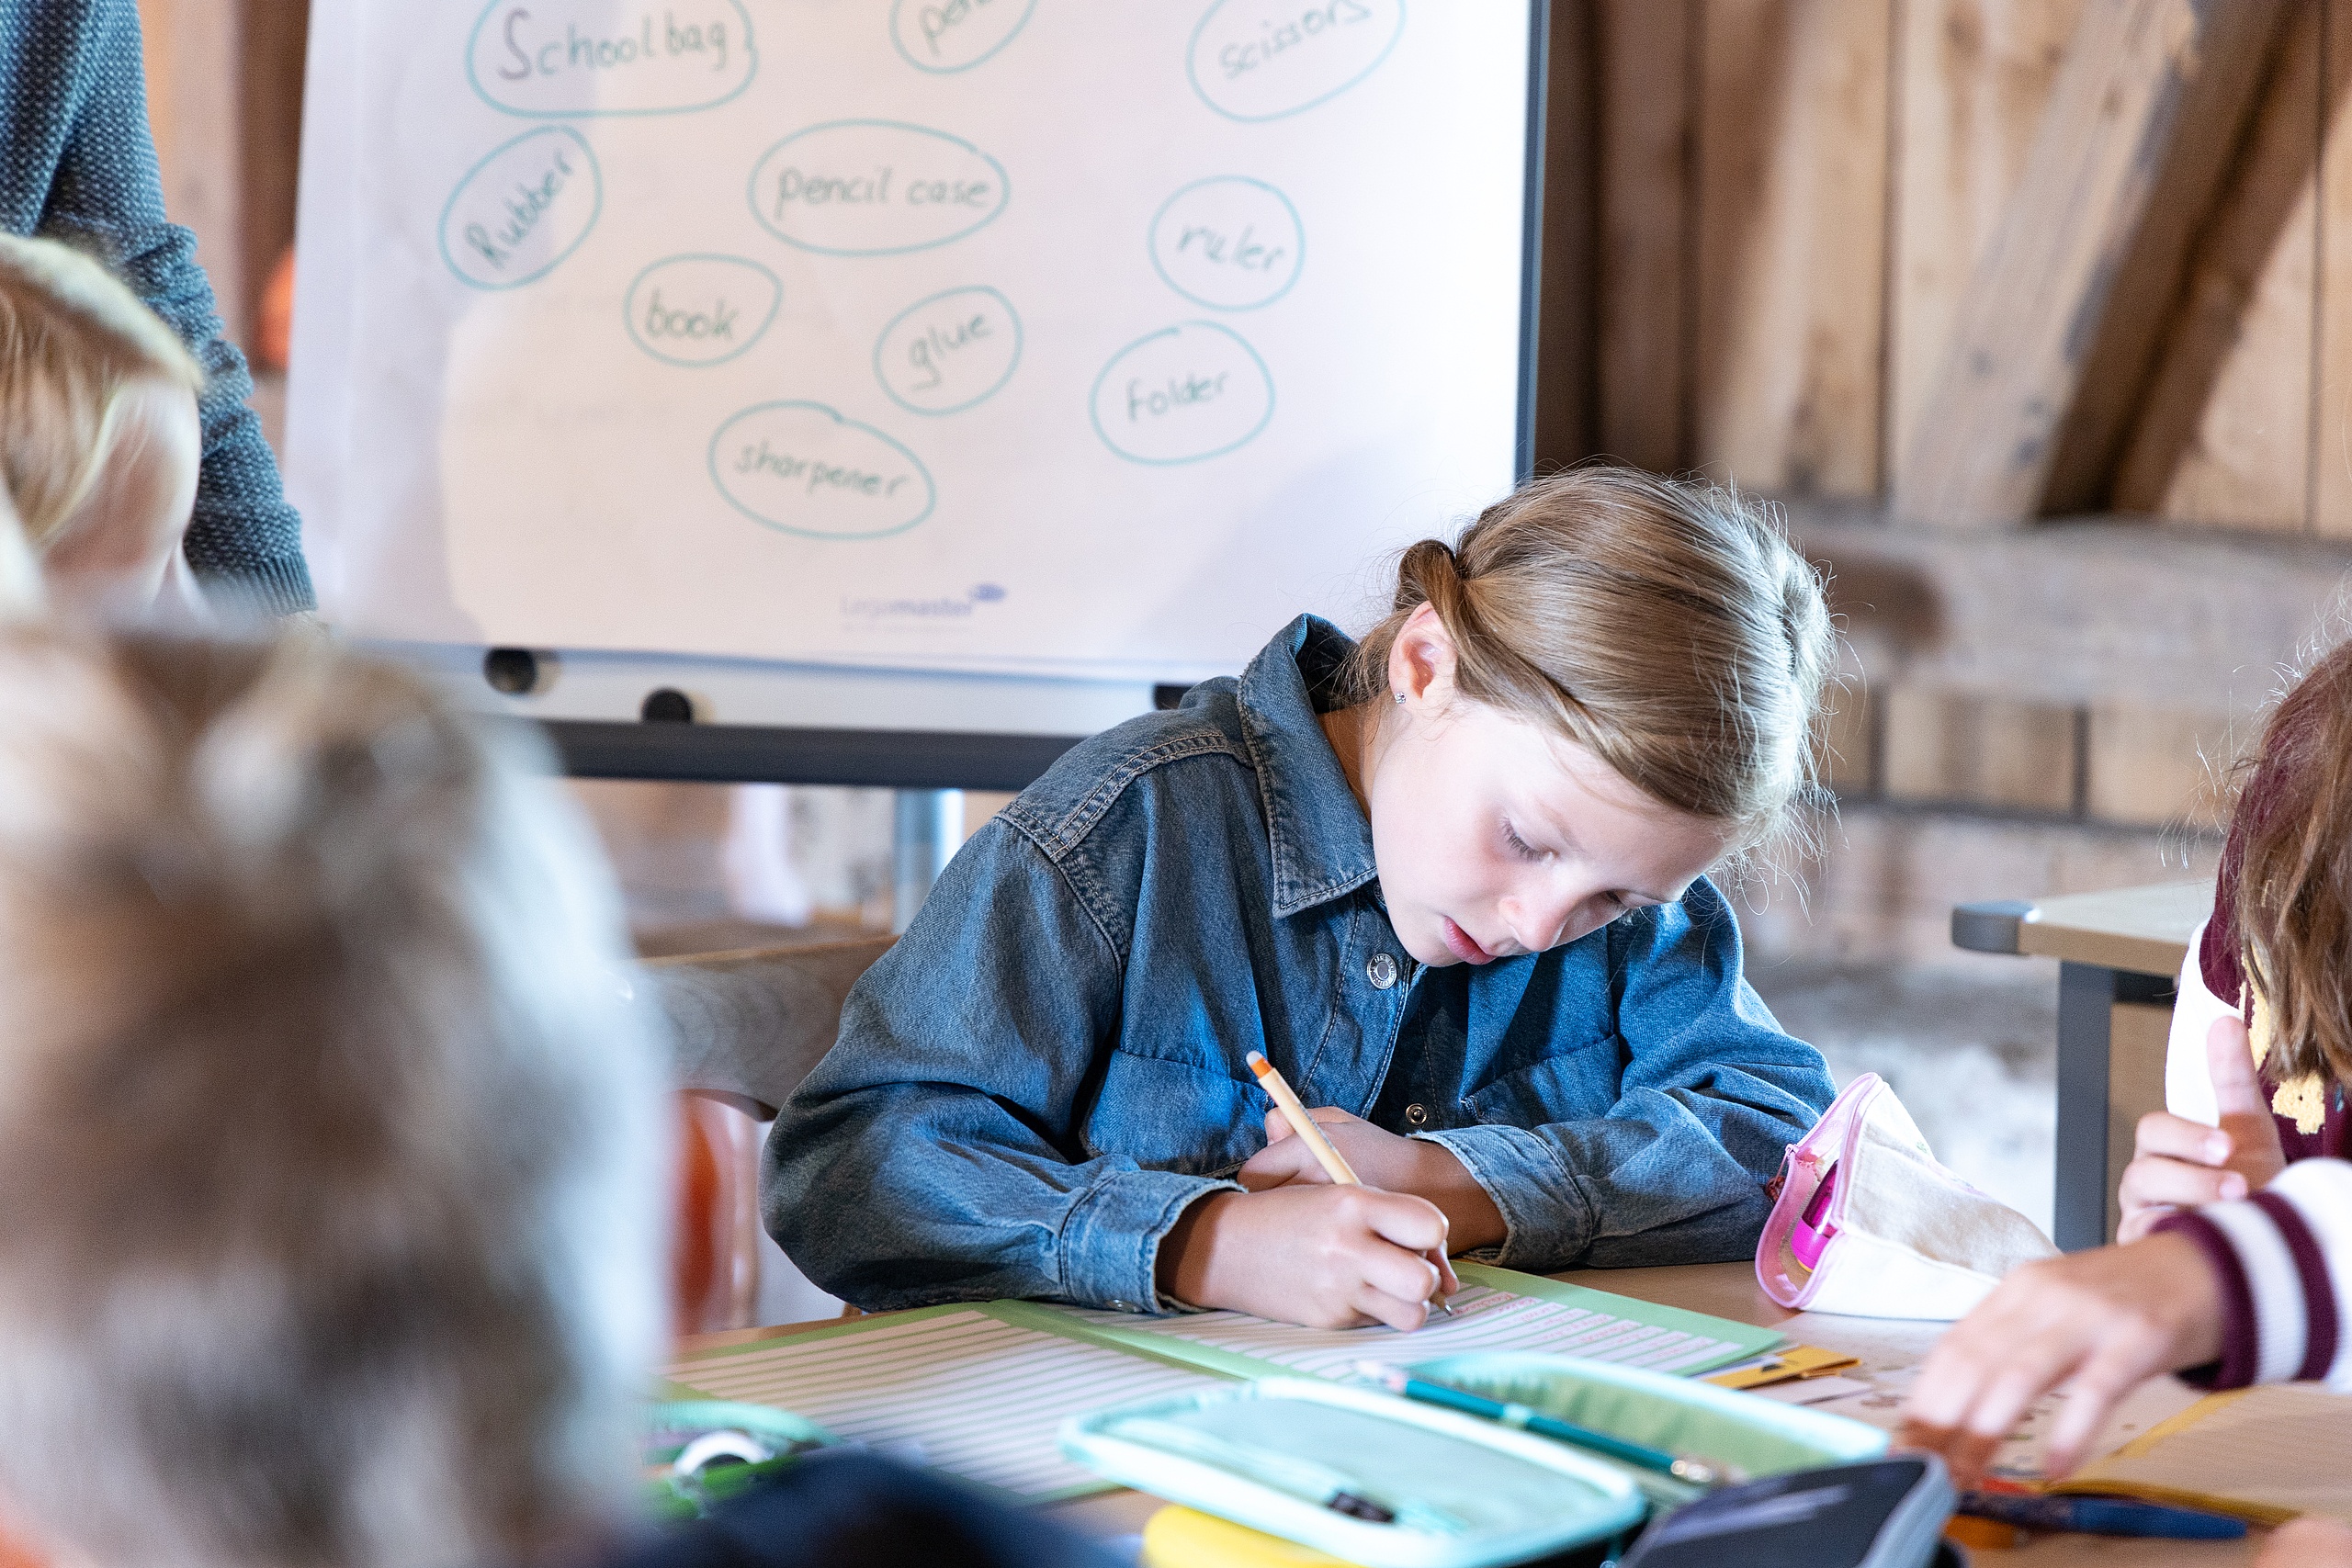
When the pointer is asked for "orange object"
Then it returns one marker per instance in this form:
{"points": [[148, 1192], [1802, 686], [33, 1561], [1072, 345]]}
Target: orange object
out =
{"points": [[273, 324], [1985, 1535]]}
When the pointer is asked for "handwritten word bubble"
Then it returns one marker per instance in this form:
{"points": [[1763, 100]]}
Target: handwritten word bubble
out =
{"points": [[1190, 391], [875, 188], [802, 469], [568, 58], [701, 309], [943, 36], [1230, 244], [1265, 59], [944, 353], [522, 209]]}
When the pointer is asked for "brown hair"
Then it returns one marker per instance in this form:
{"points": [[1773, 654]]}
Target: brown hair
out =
{"points": [[331, 1158], [1666, 625], [2286, 874], [72, 339]]}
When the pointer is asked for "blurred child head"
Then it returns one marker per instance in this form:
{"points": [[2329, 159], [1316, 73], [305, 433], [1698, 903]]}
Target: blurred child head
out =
{"points": [[334, 1165], [100, 440]]}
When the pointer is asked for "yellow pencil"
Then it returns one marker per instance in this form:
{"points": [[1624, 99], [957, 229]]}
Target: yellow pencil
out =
{"points": [[1334, 1163]]}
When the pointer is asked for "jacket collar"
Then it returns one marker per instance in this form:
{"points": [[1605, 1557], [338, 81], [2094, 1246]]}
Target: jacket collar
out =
{"points": [[1322, 845]]}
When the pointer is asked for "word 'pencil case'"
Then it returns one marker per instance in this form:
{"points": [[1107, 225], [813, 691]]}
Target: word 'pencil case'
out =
{"points": [[1868, 1223], [1737, 1432], [1365, 1476]]}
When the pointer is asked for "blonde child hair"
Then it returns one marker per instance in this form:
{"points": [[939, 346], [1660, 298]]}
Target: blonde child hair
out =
{"points": [[1667, 626], [333, 1163], [74, 341]]}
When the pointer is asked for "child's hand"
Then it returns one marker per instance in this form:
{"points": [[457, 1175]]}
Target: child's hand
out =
{"points": [[2179, 1164], [1382, 1159], [2308, 1542], [1327, 1256], [2105, 1320]]}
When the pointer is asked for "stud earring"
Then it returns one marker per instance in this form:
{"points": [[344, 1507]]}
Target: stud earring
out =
{"points": [[1400, 698]]}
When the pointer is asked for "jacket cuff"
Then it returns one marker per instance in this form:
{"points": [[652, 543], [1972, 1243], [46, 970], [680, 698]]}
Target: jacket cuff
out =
{"points": [[2240, 1352], [2281, 1316], [1109, 1246], [278, 587], [1547, 1222]]}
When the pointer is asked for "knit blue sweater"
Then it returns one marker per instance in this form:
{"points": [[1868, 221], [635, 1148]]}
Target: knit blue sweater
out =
{"points": [[77, 163]]}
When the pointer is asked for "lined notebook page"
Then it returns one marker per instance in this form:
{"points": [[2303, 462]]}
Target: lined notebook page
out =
{"points": [[961, 1392], [2268, 1452], [1483, 1318]]}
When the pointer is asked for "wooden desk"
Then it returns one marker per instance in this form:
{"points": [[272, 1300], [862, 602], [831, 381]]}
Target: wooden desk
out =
{"points": [[2119, 955], [1889, 1350]]}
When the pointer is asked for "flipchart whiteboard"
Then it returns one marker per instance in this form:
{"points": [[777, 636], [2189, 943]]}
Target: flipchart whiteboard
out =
{"points": [[870, 360]]}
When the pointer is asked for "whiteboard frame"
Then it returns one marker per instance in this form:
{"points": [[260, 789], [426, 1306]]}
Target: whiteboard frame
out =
{"points": [[759, 721]]}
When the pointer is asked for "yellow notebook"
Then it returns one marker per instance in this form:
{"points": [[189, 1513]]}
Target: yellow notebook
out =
{"points": [[2264, 1454], [1179, 1538]]}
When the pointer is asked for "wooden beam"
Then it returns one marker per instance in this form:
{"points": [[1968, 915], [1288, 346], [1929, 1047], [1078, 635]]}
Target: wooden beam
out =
{"points": [[1564, 426], [2056, 334], [1792, 228], [1645, 265], [2184, 619], [1972, 80], [2224, 434]]}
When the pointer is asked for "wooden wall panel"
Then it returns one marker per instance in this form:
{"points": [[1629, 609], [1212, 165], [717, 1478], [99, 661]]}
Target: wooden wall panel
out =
{"points": [[1646, 50], [1977, 750], [2331, 511], [1792, 210], [2054, 342], [2157, 767], [1972, 77], [2224, 434], [1564, 428]]}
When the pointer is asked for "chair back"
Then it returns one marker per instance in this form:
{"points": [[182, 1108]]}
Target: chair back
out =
{"points": [[746, 1026]]}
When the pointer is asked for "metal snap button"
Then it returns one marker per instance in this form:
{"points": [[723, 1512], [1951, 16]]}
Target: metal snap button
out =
{"points": [[1381, 970], [1419, 1115]]}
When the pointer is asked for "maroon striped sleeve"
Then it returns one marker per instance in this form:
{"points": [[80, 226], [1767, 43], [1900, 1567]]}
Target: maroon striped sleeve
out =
{"points": [[2241, 1353], [2319, 1326]]}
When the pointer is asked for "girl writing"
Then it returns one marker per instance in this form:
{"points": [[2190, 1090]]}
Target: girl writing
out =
{"points": [[1450, 881], [2235, 1260]]}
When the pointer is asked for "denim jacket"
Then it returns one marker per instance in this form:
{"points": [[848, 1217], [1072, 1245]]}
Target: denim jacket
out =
{"points": [[1033, 1085]]}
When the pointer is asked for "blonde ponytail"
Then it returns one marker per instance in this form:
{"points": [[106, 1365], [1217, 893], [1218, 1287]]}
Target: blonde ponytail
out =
{"points": [[1665, 624]]}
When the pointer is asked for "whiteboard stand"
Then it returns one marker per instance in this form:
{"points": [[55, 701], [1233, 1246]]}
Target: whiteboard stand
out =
{"points": [[927, 829]]}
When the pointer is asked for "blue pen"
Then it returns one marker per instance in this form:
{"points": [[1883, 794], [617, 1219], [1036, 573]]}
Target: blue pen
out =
{"points": [[2101, 1516]]}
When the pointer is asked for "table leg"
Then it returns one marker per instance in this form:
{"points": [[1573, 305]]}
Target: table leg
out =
{"points": [[2086, 1007]]}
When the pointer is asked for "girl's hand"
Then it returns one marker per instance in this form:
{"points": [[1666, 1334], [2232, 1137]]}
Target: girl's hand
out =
{"points": [[2106, 1320], [2179, 1164], [2308, 1542], [1381, 1159], [1326, 1257]]}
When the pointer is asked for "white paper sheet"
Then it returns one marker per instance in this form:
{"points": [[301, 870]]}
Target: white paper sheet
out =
{"points": [[1484, 1319], [1023, 336], [960, 1391]]}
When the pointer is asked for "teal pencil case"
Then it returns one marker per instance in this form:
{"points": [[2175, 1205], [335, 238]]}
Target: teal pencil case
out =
{"points": [[1361, 1474], [1750, 1437]]}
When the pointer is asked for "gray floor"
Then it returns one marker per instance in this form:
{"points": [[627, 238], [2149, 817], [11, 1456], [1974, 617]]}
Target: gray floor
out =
{"points": [[1970, 1047]]}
